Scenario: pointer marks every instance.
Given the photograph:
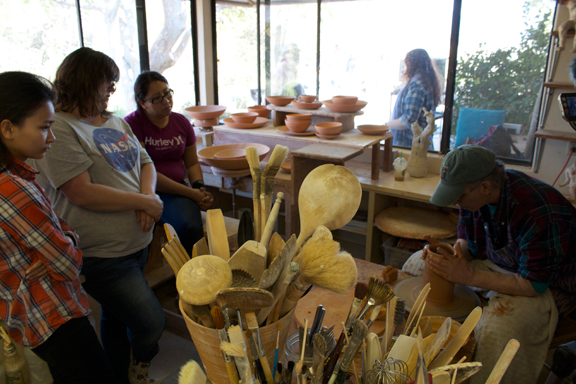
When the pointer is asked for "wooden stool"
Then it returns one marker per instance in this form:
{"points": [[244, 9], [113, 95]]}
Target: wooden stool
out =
{"points": [[231, 180]]}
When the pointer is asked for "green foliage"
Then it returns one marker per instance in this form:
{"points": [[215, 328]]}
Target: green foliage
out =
{"points": [[507, 78]]}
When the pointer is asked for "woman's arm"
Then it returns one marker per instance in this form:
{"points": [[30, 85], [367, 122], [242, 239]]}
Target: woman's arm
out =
{"points": [[195, 174]]}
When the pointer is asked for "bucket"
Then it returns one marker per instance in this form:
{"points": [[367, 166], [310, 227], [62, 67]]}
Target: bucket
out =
{"points": [[208, 345]]}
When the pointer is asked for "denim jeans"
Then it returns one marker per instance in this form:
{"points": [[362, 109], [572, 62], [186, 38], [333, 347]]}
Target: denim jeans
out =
{"points": [[184, 215], [132, 316], [74, 355]]}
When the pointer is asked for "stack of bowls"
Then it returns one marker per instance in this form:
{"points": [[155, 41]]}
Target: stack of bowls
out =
{"points": [[298, 122], [261, 110], [328, 130]]}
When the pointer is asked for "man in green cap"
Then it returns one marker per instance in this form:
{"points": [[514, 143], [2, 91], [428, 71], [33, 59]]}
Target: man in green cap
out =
{"points": [[517, 245]]}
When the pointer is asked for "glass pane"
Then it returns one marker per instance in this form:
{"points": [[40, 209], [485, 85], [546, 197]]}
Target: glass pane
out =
{"points": [[110, 27], [38, 45], [500, 69], [367, 59], [291, 48], [170, 48], [237, 56]]}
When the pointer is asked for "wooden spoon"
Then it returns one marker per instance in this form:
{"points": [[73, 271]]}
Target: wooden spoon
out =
{"points": [[200, 279], [503, 362], [330, 195]]}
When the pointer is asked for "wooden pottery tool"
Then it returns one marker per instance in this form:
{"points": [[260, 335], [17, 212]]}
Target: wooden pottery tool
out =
{"points": [[439, 340], [202, 314], [252, 324], [172, 259], [373, 351], [319, 350], [254, 162], [360, 292], [271, 221], [373, 315], [250, 257], [412, 361], [216, 233], [402, 348], [465, 370], [241, 278], [218, 318], [300, 363], [244, 299], [267, 181], [170, 232], [359, 332], [416, 308], [200, 279], [458, 340], [275, 247], [420, 372], [240, 354], [271, 274], [387, 338], [330, 195], [503, 362], [178, 249], [256, 358], [200, 248], [378, 293]]}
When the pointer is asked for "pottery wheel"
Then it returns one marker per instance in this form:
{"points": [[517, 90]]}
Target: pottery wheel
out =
{"points": [[465, 300]]}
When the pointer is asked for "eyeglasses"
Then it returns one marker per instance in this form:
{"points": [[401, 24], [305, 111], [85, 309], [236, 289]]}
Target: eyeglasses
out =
{"points": [[157, 100]]}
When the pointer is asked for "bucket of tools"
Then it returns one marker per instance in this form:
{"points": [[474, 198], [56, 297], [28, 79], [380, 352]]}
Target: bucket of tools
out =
{"points": [[207, 343]]}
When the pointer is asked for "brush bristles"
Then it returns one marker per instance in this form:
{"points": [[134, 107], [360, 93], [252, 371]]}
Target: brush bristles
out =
{"points": [[252, 157], [361, 290], [399, 313], [233, 349], [360, 330], [276, 158], [218, 317], [191, 373], [379, 290]]}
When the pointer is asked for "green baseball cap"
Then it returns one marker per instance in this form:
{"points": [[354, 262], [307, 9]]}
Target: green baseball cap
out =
{"points": [[461, 166]]}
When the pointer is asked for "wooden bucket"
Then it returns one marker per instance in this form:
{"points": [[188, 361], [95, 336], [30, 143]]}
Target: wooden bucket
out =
{"points": [[208, 345]]}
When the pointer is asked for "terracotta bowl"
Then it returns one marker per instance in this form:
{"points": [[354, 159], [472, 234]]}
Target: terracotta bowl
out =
{"points": [[343, 108], [373, 129], [344, 100], [286, 166], [205, 112], [297, 125], [261, 110], [329, 128], [235, 153], [280, 101], [244, 117], [299, 116], [307, 98], [206, 155]]}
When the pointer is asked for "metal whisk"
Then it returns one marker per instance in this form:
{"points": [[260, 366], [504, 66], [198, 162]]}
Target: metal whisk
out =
{"points": [[389, 371], [378, 293]]}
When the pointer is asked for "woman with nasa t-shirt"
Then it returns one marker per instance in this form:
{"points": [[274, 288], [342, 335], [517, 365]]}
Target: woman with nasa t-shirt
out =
{"points": [[169, 139], [102, 182]]}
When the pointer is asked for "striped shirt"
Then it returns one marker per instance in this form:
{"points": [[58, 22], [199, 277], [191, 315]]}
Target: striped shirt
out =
{"points": [[30, 231], [532, 232]]}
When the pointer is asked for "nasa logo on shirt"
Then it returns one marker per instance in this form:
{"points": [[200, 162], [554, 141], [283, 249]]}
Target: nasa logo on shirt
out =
{"points": [[119, 150]]}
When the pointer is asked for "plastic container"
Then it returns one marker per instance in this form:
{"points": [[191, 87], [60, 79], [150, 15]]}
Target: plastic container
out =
{"points": [[400, 165]]}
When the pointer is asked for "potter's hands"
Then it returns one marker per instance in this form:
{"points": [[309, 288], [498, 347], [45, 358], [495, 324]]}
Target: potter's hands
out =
{"points": [[37, 271], [431, 240], [207, 200], [455, 268]]}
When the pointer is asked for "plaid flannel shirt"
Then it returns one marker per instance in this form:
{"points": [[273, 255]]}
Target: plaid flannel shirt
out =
{"points": [[538, 225], [30, 231]]}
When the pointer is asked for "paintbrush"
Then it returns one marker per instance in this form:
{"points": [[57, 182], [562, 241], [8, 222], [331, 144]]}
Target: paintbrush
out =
{"points": [[378, 293], [237, 348], [276, 353], [300, 363], [373, 315], [267, 180], [254, 163], [359, 294], [191, 373], [271, 221], [256, 358], [218, 317], [316, 324], [252, 324], [359, 332]]}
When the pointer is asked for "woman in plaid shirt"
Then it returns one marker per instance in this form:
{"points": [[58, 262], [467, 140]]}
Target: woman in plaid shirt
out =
{"points": [[41, 299]]}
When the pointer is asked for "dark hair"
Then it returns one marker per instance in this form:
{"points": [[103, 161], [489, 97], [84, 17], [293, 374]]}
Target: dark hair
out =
{"points": [[418, 61], [21, 94], [142, 84], [78, 81]]}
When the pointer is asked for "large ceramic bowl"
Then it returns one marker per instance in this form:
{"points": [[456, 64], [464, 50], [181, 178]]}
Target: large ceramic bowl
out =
{"points": [[344, 108], [206, 155], [280, 101], [299, 116], [314, 105], [369, 129], [329, 128], [205, 112], [261, 110], [244, 117], [345, 100], [297, 125]]}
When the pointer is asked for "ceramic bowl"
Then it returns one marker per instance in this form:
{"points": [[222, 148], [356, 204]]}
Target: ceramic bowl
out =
{"points": [[373, 129], [206, 155], [309, 106], [299, 116], [261, 110], [307, 98], [258, 123], [329, 128], [280, 101], [344, 100], [345, 108], [286, 166], [234, 153], [205, 112], [244, 117], [297, 125]]}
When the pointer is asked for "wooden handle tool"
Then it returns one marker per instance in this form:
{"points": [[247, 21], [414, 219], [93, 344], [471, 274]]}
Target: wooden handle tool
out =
{"points": [[503, 362], [216, 233], [271, 222]]}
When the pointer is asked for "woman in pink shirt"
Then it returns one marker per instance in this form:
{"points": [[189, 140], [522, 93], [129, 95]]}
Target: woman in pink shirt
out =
{"points": [[170, 141]]}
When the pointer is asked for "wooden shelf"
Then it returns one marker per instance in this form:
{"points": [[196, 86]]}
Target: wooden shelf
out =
{"points": [[555, 85], [556, 135]]}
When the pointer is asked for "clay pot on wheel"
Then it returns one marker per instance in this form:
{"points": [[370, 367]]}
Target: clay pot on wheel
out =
{"points": [[441, 290]]}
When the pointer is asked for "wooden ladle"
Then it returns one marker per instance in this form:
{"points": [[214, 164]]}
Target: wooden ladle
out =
{"points": [[330, 195]]}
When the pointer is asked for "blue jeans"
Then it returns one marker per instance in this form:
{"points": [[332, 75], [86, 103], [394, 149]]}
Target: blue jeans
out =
{"points": [[184, 215], [132, 316], [74, 355]]}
